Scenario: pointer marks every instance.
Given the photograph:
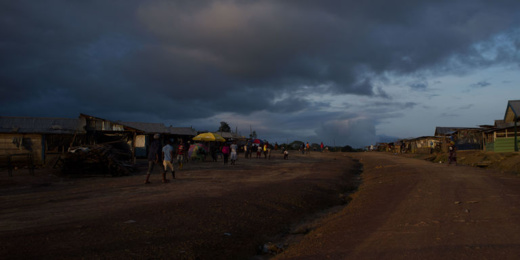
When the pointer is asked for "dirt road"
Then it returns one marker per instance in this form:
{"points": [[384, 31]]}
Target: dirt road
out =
{"points": [[404, 209], [413, 209], [212, 211]]}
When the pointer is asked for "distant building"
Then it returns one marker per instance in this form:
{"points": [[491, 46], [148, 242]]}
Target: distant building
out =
{"points": [[423, 144], [503, 135], [464, 138]]}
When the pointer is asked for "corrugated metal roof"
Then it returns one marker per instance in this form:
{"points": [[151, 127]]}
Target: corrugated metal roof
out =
{"points": [[41, 125], [446, 130], [161, 128], [440, 131], [100, 124], [148, 127]]}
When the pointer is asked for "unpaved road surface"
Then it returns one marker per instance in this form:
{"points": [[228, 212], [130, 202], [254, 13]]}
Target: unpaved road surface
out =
{"points": [[413, 209], [212, 211], [403, 209]]}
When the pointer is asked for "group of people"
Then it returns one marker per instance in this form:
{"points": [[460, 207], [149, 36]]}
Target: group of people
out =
{"points": [[258, 148], [167, 154], [229, 152]]}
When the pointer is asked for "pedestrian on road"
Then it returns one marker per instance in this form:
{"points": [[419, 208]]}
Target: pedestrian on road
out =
{"points": [[213, 149], [258, 151], [234, 149], [167, 156], [154, 151], [225, 152], [180, 154], [452, 157]]}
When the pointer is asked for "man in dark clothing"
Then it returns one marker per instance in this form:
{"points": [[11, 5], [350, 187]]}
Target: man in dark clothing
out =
{"points": [[154, 154]]}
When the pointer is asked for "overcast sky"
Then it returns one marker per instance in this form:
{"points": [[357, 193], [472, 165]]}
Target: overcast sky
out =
{"points": [[342, 72]]}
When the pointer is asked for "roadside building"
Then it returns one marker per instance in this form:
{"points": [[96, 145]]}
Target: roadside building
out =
{"points": [[423, 144], [464, 138], [145, 136], [37, 139], [503, 135]]}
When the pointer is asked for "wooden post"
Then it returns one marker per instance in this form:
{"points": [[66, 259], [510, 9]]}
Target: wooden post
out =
{"points": [[516, 136]]}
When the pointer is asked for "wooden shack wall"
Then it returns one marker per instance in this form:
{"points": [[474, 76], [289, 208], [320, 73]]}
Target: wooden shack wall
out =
{"points": [[422, 146], [19, 145]]}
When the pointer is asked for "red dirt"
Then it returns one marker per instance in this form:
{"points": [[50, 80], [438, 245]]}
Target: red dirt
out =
{"points": [[404, 209], [414, 209], [211, 211]]}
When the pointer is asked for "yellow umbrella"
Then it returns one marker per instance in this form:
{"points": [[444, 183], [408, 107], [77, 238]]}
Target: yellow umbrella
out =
{"points": [[208, 137]]}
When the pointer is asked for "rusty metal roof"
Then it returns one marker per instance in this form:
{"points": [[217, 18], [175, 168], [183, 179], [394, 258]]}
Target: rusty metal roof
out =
{"points": [[41, 125], [155, 128], [160, 128]]}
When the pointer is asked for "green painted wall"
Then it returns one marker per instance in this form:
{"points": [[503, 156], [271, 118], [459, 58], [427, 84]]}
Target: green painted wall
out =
{"points": [[502, 145]]}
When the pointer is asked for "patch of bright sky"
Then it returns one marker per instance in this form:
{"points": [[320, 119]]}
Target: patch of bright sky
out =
{"points": [[468, 100]]}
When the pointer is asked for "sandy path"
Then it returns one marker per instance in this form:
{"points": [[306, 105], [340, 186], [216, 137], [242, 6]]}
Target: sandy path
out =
{"points": [[413, 209]]}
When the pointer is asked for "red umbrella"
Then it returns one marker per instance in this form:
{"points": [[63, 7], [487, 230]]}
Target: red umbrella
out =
{"points": [[257, 141]]}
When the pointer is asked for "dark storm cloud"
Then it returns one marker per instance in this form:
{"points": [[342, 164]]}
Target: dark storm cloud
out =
{"points": [[481, 84], [149, 58], [419, 86], [395, 105]]}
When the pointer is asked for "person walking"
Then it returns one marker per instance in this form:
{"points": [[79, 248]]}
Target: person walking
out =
{"points": [[249, 150], [452, 156], [234, 149], [213, 149], [167, 156], [225, 152], [180, 154], [154, 151], [259, 151]]}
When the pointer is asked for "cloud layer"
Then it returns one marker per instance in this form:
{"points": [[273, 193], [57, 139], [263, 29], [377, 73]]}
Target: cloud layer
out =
{"points": [[284, 63]]}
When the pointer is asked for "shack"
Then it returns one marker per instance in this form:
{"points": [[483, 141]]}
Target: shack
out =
{"points": [[423, 144], [104, 131], [147, 130], [464, 138], [36, 140]]}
